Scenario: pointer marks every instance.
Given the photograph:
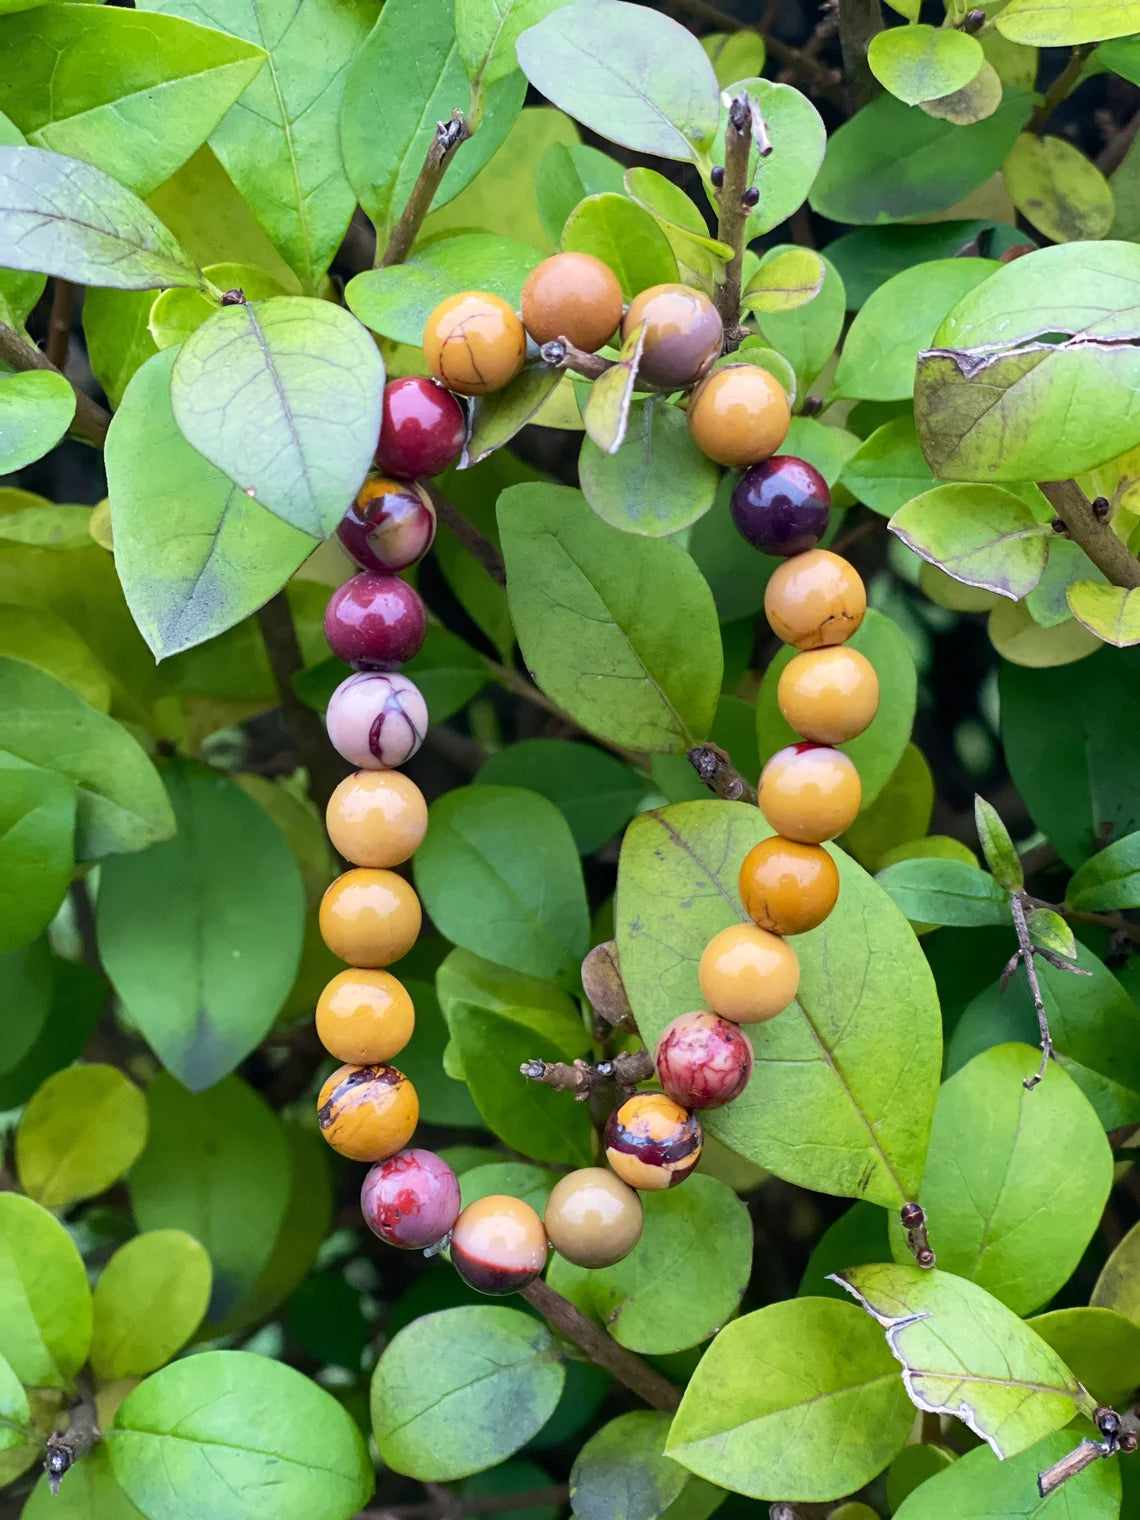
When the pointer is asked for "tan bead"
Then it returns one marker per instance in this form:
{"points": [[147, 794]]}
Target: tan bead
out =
{"points": [[788, 888], [474, 343], [809, 792], [370, 918], [592, 1218], [829, 695], [377, 818], [748, 975], [683, 335], [815, 599], [651, 1142], [364, 1017], [367, 1113], [573, 296], [739, 415], [498, 1244]]}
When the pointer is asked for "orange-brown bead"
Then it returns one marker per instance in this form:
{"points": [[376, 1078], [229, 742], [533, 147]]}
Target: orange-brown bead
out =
{"points": [[683, 335], [829, 695], [739, 415], [377, 818], [370, 918], [788, 888], [573, 296], [748, 975], [809, 792], [367, 1113], [474, 343], [365, 1017], [498, 1244], [651, 1142], [815, 599]]}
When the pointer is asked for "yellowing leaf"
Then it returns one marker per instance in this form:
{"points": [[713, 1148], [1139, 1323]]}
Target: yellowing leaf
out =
{"points": [[1111, 612], [918, 63], [785, 281], [1058, 189]]}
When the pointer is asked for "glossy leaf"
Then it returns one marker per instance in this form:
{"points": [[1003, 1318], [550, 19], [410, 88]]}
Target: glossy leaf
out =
{"points": [[701, 258], [175, 314], [1111, 612], [979, 1487], [36, 409], [918, 63], [622, 1473], [797, 136], [936, 891], [149, 1300], [488, 33], [789, 280], [1109, 879], [496, 418], [81, 1131], [979, 534], [1100, 1346], [997, 846], [596, 793], [606, 411], [625, 237], [1046, 23], [807, 336], [37, 842], [658, 482], [45, 1303], [566, 174], [888, 469], [1056, 188]]}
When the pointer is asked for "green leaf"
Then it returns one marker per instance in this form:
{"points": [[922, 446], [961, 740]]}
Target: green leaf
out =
{"points": [[404, 78], [497, 417], [460, 1390], [238, 1433], [899, 320], [979, 534], [283, 396], [768, 1428], [217, 1166], [892, 161], [936, 891], [979, 99], [566, 174], [149, 1300], [702, 258], [1047, 23], [530, 1183], [797, 137], [789, 280], [280, 143], [175, 314], [122, 804], [37, 833], [130, 91], [807, 336], [658, 482], [620, 630], [1051, 932], [683, 1279], [624, 236], [53, 1007], [36, 408], [853, 1062], [887, 470], [605, 413], [912, 1467], [754, 351], [486, 34], [1056, 188], [81, 1131], [596, 793], [88, 1492], [899, 814], [443, 1098], [997, 846], [118, 337], [45, 525], [397, 302], [918, 63], [734, 54], [871, 255], [194, 552], [1109, 879], [979, 1487], [859, 1235], [14, 1409], [964, 1353], [465, 977], [622, 1473], [201, 963], [45, 1303], [61, 216], [878, 750], [1118, 1286], [1111, 612], [1101, 1347], [632, 75]]}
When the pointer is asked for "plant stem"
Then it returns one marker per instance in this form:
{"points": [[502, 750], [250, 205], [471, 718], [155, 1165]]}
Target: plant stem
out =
{"points": [[449, 136], [305, 728], [1060, 89], [715, 768], [624, 1072], [1092, 532], [561, 352], [59, 322], [732, 222], [601, 1348], [89, 415], [466, 533], [65, 1448], [859, 22], [1025, 956], [804, 65]]}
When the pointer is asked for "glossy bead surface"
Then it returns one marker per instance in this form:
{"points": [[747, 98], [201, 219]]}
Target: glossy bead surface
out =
{"points": [[829, 695], [739, 415], [702, 1060], [364, 1017], [788, 888], [375, 622], [498, 1244], [367, 1113], [474, 343], [651, 1142], [370, 918], [782, 505], [376, 719], [809, 792], [574, 296], [815, 599], [683, 335], [593, 1218], [390, 525], [411, 1200], [377, 818], [748, 975], [422, 427]]}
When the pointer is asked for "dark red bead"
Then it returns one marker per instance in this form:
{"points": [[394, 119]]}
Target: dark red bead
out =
{"points": [[411, 1200], [782, 505], [703, 1061], [421, 429], [375, 622], [389, 526]]}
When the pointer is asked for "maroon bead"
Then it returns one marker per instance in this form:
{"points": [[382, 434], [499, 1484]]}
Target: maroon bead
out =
{"points": [[390, 525], [375, 622], [411, 1200], [703, 1061], [782, 505], [421, 429]]}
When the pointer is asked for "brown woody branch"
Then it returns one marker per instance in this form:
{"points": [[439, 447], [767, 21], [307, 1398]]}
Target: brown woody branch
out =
{"points": [[65, 1447], [1025, 955], [716, 770], [732, 222], [464, 531], [58, 339], [316, 754], [1091, 527], [563, 355], [860, 21], [90, 417], [625, 1072], [449, 137], [804, 65], [1117, 1437], [1060, 89]]}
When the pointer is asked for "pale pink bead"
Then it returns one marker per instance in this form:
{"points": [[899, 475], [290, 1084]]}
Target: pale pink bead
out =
{"points": [[377, 719]]}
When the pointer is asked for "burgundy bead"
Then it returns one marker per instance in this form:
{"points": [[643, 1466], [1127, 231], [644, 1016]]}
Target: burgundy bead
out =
{"points": [[375, 622], [782, 505], [390, 526], [703, 1061], [422, 428], [411, 1200]]}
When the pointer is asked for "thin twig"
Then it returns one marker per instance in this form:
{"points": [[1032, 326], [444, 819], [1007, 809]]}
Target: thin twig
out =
{"points": [[1060, 89], [90, 417], [732, 222], [819, 78], [715, 768], [625, 1072], [563, 355], [306, 730], [1025, 954], [58, 339], [860, 21], [65, 1448], [1111, 156], [449, 136], [1092, 530], [1118, 1436], [464, 531]]}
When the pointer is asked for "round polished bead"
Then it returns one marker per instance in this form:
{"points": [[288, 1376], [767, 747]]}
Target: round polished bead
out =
{"points": [[593, 1219], [739, 415], [573, 296], [815, 599], [829, 695], [422, 427], [782, 505], [411, 1200], [375, 622], [788, 888], [376, 719], [377, 818], [651, 1142], [364, 1017], [367, 1112], [474, 343], [703, 1061], [683, 335], [809, 792], [390, 525], [370, 918], [748, 975], [498, 1244]]}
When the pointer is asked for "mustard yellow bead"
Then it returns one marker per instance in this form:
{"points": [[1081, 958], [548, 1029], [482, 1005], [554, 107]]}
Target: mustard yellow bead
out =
{"points": [[474, 343], [370, 918], [809, 792], [815, 599], [364, 1017], [748, 975], [829, 695], [367, 1113], [377, 818], [788, 888]]}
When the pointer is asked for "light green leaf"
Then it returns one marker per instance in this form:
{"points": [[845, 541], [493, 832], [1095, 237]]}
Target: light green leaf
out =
{"points": [[918, 63], [622, 1473], [486, 32], [1021, 640], [1056, 188], [807, 336], [702, 258], [463, 977], [754, 351], [658, 482], [605, 413], [734, 55], [797, 137], [175, 314], [497, 417], [1111, 612], [61, 216], [887, 470], [566, 174], [1051, 932], [618, 629], [118, 337], [1118, 1286], [1048, 23], [853, 1063], [37, 842], [88, 1492], [283, 396], [81, 1131], [979, 1487], [899, 815], [1109, 879], [625, 237], [997, 846], [789, 280], [937, 891], [979, 534], [149, 1300], [15, 1413], [36, 408], [45, 1303], [975, 101], [530, 1183], [1100, 1346], [458, 1391], [595, 791], [763, 1426]]}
